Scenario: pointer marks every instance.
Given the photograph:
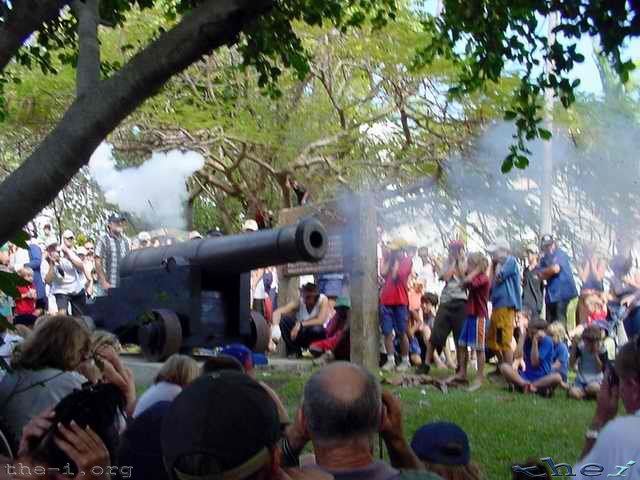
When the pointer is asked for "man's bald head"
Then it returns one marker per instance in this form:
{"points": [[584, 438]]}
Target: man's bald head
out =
{"points": [[342, 401]]}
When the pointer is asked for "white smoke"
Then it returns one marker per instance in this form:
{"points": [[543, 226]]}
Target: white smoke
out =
{"points": [[156, 191]]}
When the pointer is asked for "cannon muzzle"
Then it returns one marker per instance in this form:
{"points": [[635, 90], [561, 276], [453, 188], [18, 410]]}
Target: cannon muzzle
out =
{"points": [[306, 241]]}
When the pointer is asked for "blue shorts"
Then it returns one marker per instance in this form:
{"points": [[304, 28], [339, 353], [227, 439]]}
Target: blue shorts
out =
{"points": [[473, 333], [414, 347], [530, 376], [394, 317]]}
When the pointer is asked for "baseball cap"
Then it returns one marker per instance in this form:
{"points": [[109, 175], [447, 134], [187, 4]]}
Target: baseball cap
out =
{"points": [[344, 302], [227, 417], [68, 234], [443, 443], [116, 217], [250, 225], [144, 237], [239, 352], [81, 251], [194, 235], [546, 240], [50, 242], [499, 244]]}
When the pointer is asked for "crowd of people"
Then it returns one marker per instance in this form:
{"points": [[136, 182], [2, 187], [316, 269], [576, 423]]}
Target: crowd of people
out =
{"points": [[67, 401], [69, 409]]}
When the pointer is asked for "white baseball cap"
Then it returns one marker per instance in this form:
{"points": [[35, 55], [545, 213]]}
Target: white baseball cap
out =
{"points": [[250, 225], [68, 234], [50, 242], [144, 237]]}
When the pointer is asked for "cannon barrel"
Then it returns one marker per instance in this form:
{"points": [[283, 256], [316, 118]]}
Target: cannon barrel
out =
{"points": [[305, 241]]}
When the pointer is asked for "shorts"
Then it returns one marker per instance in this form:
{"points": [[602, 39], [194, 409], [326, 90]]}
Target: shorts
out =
{"points": [[414, 347], [450, 317], [473, 333], [530, 376], [394, 317], [557, 312], [76, 300], [503, 321]]}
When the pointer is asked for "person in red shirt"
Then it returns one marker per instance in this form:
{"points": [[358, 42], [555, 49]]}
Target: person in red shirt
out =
{"points": [[474, 328], [24, 311], [394, 303]]}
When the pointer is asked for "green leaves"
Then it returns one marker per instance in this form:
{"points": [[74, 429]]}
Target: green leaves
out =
{"points": [[9, 281], [482, 37]]}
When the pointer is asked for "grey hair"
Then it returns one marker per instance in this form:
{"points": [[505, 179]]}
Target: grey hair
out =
{"points": [[329, 418]]}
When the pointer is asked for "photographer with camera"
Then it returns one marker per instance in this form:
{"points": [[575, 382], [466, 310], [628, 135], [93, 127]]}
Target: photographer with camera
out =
{"points": [[65, 275], [453, 303], [343, 409], [611, 440]]}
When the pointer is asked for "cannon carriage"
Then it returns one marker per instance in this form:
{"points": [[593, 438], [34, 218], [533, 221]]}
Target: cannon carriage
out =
{"points": [[196, 294]]}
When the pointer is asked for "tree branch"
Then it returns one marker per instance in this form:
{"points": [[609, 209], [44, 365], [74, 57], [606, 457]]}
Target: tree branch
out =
{"points": [[25, 17], [94, 115]]}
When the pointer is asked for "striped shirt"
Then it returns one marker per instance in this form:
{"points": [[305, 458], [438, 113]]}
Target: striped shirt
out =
{"points": [[111, 250]]}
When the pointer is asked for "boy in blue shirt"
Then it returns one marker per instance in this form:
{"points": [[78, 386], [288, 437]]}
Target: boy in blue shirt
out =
{"points": [[537, 350], [560, 359], [506, 300]]}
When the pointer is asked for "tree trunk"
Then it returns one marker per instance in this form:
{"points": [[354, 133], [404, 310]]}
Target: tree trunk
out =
{"points": [[26, 17], [95, 114], [88, 70]]}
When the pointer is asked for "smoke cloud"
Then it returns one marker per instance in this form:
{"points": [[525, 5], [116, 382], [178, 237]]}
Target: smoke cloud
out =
{"points": [[156, 191]]}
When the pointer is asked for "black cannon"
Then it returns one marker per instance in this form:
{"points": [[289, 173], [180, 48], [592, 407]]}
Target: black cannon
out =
{"points": [[196, 294]]}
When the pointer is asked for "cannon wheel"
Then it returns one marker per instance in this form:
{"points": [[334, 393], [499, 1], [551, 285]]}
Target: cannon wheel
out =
{"points": [[260, 333], [160, 335]]}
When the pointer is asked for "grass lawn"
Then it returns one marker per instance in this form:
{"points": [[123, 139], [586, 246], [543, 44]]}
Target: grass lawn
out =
{"points": [[504, 428]]}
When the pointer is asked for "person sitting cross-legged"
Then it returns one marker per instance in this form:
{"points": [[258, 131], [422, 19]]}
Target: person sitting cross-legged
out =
{"points": [[589, 357], [343, 410], [537, 350]]}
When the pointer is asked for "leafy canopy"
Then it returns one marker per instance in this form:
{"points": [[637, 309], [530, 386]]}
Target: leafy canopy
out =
{"points": [[487, 37]]}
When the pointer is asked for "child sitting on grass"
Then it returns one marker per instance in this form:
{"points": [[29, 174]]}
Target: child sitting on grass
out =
{"points": [[588, 357], [560, 359], [536, 348], [474, 327]]}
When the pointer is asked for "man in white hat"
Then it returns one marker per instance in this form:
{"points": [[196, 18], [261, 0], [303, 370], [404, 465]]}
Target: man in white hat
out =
{"points": [[65, 275], [144, 239], [250, 225], [506, 299]]}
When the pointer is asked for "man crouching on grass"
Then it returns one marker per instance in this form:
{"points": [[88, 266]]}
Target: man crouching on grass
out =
{"points": [[537, 350]]}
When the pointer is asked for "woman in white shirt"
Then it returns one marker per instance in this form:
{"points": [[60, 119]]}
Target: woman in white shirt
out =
{"points": [[176, 373]]}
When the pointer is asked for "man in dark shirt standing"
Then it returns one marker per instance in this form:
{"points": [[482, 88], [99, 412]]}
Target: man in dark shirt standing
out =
{"points": [[110, 250], [561, 287], [532, 284]]}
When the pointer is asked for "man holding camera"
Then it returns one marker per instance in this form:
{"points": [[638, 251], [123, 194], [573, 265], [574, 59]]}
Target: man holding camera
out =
{"points": [[611, 446], [65, 275]]}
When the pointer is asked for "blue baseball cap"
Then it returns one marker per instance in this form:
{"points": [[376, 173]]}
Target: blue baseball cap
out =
{"points": [[442, 443], [239, 352]]}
